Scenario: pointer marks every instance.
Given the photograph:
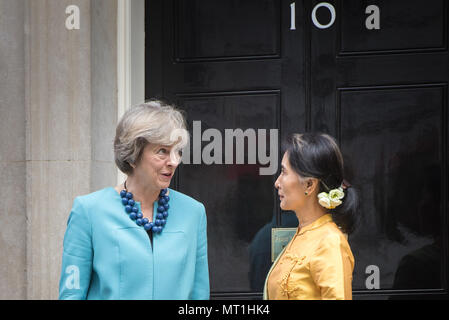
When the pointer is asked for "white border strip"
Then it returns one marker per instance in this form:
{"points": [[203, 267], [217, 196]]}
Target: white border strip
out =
{"points": [[130, 57], [123, 63]]}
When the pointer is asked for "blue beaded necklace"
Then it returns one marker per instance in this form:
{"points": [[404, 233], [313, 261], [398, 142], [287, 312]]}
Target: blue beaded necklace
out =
{"points": [[137, 216]]}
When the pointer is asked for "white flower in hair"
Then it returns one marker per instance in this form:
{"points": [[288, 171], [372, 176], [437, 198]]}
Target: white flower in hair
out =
{"points": [[323, 200], [332, 199]]}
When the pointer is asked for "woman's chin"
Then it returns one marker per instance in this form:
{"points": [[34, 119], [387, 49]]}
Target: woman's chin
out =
{"points": [[283, 207], [164, 185]]}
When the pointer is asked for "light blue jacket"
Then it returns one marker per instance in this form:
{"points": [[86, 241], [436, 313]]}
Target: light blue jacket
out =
{"points": [[107, 256]]}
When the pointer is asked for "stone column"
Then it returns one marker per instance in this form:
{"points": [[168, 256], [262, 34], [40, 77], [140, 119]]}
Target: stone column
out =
{"points": [[58, 135], [12, 151], [58, 112], [104, 92]]}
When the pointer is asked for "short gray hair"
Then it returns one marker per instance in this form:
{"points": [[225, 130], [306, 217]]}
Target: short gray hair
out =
{"points": [[151, 122]]}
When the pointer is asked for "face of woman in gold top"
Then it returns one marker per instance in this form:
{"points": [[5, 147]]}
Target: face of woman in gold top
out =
{"points": [[292, 188], [313, 164]]}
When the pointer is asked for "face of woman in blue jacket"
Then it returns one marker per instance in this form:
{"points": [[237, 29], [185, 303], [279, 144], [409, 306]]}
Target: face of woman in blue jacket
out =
{"points": [[157, 164]]}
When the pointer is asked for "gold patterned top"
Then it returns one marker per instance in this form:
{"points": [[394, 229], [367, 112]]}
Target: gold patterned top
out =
{"points": [[316, 264]]}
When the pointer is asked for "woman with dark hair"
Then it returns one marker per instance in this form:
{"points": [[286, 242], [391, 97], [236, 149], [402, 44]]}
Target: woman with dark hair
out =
{"points": [[318, 262]]}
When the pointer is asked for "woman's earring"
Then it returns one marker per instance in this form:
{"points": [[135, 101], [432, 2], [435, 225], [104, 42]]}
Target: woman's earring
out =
{"points": [[306, 193]]}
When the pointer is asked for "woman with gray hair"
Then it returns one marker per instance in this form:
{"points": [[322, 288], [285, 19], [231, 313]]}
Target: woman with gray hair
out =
{"points": [[140, 239]]}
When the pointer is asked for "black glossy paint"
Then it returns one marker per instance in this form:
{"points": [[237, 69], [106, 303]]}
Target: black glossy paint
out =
{"points": [[382, 93]]}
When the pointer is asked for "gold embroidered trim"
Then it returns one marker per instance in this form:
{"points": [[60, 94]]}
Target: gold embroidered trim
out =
{"points": [[283, 283]]}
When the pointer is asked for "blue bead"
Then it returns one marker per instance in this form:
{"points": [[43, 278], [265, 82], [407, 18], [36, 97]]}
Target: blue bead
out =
{"points": [[128, 208], [159, 216], [161, 201], [144, 221], [167, 199], [157, 222], [165, 214], [129, 195], [147, 226], [163, 192], [156, 229], [140, 215], [139, 222], [163, 222], [133, 216], [166, 206], [125, 201], [160, 209], [135, 209], [151, 225], [159, 229], [131, 202], [123, 193]]}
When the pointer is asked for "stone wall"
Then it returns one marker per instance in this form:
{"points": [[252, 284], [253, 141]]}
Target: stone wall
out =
{"points": [[13, 224], [58, 111]]}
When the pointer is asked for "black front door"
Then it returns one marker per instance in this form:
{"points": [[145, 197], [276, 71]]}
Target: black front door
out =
{"points": [[373, 74]]}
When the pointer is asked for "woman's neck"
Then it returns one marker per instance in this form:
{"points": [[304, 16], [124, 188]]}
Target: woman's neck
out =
{"points": [[309, 213], [145, 193]]}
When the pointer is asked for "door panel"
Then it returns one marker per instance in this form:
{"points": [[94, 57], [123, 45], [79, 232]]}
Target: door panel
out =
{"points": [[204, 30], [239, 200], [393, 139], [404, 26]]}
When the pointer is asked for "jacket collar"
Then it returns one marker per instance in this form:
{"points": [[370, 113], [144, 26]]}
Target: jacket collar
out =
{"points": [[316, 224]]}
